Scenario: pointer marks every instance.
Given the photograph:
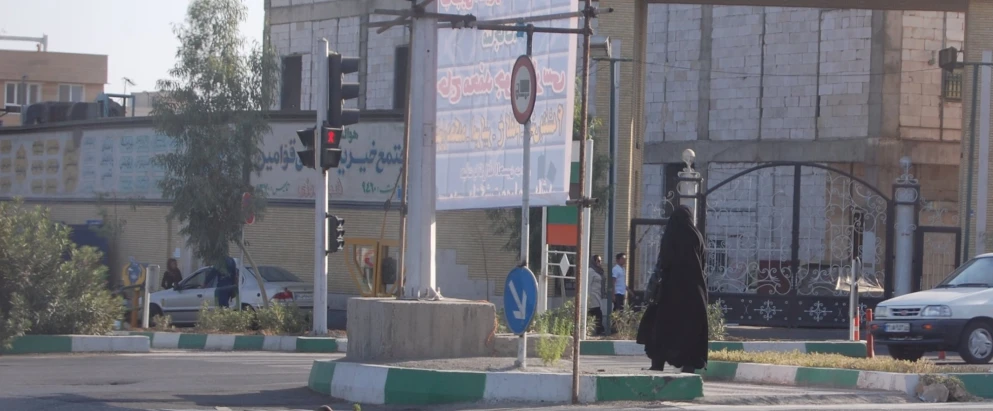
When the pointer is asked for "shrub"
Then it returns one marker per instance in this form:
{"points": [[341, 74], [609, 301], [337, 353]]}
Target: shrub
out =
{"points": [[281, 319], [162, 323], [48, 285], [551, 347], [223, 320], [625, 322], [715, 321], [956, 388]]}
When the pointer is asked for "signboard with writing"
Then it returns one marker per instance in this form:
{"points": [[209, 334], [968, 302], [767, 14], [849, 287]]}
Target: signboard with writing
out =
{"points": [[371, 159], [81, 164], [479, 143]]}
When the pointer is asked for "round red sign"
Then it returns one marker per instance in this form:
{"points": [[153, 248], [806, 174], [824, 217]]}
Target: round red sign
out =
{"points": [[523, 89]]}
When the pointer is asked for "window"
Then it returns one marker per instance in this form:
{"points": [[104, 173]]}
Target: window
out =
{"points": [[14, 93], [400, 75], [951, 84], [289, 97], [71, 92]]}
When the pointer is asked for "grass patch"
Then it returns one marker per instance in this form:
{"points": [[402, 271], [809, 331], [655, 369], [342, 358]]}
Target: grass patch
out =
{"points": [[883, 364]]}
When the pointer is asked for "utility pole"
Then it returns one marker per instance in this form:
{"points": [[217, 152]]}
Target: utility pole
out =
{"points": [[615, 88], [320, 326]]}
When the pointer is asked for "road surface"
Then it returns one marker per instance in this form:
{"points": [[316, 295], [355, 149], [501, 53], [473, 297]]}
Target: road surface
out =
{"points": [[197, 380]]}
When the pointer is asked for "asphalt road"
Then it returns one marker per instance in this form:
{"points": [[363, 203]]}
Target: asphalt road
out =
{"points": [[178, 380]]}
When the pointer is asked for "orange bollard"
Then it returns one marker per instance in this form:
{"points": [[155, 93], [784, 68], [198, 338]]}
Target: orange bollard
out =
{"points": [[856, 320], [941, 355], [870, 349]]}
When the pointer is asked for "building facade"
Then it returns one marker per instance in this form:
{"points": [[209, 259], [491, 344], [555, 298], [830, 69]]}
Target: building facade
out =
{"points": [[30, 77]]}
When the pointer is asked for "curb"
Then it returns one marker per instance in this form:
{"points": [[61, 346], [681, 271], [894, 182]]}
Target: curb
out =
{"points": [[51, 344], [980, 385], [847, 348], [231, 342], [379, 385]]}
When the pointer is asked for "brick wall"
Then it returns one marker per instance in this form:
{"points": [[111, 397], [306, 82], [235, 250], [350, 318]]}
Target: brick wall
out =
{"points": [[923, 112]]}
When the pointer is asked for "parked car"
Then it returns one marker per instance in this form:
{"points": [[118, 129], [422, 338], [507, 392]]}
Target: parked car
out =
{"points": [[184, 301], [955, 316]]}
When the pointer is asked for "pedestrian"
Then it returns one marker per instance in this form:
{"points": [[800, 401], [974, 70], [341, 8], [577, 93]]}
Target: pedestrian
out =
{"points": [[596, 292], [172, 275], [674, 328], [227, 283], [619, 281]]}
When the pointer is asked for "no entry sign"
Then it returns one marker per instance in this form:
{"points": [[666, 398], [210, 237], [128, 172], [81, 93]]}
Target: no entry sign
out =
{"points": [[523, 89]]}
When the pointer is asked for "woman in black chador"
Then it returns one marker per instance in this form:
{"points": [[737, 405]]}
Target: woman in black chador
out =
{"points": [[674, 327]]}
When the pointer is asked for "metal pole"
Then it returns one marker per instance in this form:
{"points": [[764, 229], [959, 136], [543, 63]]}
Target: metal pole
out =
{"points": [[320, 326], [972, 162], [583, 131], [612, 181], [584, 268], [982, 174], [522, 341], [543, 272]]}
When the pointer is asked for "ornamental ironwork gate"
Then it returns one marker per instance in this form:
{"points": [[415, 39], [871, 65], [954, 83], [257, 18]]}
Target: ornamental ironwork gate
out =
{"points": [[782, 238]]}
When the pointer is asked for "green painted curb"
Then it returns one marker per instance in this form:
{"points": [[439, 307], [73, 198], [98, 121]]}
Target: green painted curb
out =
{"points": [[726, 345], [192, 341], [719, 370], [596, 348], [317, 345], [40, 344], [423, 387], [647, 388], [321, 373], [827, 377], [980, 385], [249, 342], [848, 349]]}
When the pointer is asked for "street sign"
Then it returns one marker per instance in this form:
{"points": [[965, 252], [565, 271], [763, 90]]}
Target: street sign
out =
{"points": [[523, 89], [520, 299], [246, 202]]}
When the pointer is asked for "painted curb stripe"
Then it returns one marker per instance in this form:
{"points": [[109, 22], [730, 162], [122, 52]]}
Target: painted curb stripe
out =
{"points": [[726, 345], [365, 384], [40, 344], [321, 373], [166, 340], [648, 388], [422, 387], [192, 341], [316, 345], [720, 371], [219, 342], [248, 342], [596, 348], [231, 342], [51, 344], [824, 377], [846, 348], [980, 385]]}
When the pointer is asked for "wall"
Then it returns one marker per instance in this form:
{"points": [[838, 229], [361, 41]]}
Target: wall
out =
{"points": [[924, 114]]}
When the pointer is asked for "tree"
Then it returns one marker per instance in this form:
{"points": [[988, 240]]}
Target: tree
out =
{"points": [[507, 221], [215, 107], [47, 284]]}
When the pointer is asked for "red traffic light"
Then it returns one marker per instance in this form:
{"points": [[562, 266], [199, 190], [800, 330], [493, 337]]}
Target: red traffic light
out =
{"points": [[331, 136]]}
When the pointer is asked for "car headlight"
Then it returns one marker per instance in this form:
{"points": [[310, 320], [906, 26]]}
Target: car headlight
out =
{"points": [[936, 311], [880, 311]]}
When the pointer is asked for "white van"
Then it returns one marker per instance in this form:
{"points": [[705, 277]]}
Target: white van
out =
{"points": [[955, 316]]}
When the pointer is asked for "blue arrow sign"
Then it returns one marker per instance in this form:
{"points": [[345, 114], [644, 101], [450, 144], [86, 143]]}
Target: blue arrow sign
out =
{"points": [[520, 299]]}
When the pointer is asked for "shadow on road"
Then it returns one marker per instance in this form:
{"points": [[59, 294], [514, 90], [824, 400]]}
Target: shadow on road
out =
{"points": [[72, 402], [290, 397]]}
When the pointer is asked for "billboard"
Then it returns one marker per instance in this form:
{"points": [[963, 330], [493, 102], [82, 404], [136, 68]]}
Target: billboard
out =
{"points": [[479, 143]]}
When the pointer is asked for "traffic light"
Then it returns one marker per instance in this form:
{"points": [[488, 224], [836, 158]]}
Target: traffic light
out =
{"points": [[339, 91], [336, 233], [948, 58], [330, 151], [307, 155]]}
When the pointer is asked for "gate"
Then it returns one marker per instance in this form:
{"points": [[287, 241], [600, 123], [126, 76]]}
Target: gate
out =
{"points": [[782, 238], [938, 251]]}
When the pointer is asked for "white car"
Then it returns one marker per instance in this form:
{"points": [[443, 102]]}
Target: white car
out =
{"points": [[183, 302], [955, 316]]}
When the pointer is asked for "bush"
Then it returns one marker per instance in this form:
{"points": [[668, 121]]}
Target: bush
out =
{"points": [[551, 347], [625, 322], [715, 321], [223, 320], [275, 320], [281, 319], [48, 285], [162, 323]]}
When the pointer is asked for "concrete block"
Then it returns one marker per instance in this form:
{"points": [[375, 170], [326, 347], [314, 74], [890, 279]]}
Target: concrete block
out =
{"points": [[389, 329]]}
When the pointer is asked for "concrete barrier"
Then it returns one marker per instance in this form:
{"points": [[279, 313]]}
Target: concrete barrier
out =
{"points": [[391, 329], [56, 344]]}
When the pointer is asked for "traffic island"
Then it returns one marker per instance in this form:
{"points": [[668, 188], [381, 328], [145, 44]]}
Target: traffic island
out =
{"points": [[855, 349], [63, 344], [401, 385]]}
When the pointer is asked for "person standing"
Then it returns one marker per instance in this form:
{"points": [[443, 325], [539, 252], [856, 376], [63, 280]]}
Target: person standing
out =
{"points": [[674, 329], [596, 292], [172, 275], [619, 281]]}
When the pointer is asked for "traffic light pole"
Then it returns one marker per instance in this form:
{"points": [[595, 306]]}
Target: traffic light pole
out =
{"points": [[320, 316]]}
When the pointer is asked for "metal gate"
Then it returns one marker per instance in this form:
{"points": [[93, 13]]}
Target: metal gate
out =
{"points": [[782, 237], [938, 251]]}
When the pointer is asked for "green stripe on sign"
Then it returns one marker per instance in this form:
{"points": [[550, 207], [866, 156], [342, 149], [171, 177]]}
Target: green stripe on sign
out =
{"points": [[563, 215], [319, 345], [320, 377], [724, 345], [648, 388], [411, 387], [192, 341], [596, 348], [40, 344], [249, 342], [980, 385], [827, 377], [848, 349], [720, 370]]}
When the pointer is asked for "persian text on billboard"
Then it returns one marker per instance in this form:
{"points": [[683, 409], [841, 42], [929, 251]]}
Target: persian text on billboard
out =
{"points": [[479, 143]]}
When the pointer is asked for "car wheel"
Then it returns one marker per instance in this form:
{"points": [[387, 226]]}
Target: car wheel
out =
{"points": [[153, 311], [976, 346], [905, 353]]}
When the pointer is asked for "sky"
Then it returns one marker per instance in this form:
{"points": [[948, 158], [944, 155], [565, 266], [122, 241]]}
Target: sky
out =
{"points": [[136, 35]]}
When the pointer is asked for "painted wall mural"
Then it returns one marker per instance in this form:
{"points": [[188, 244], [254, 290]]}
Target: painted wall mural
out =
{"points": [[81, 164]]}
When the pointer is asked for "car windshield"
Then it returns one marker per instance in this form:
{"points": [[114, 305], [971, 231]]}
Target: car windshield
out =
{"points": [[977, 272], [273, 274]]}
